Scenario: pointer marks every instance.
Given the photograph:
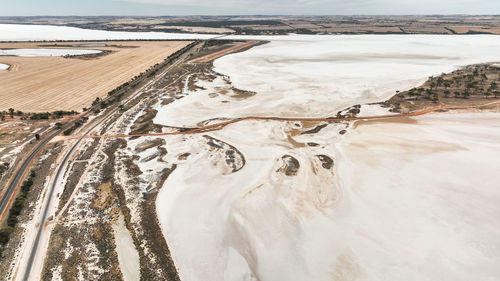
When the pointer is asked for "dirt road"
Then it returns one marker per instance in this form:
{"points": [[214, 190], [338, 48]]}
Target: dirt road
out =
{"points": [[221, 125], [224, 52]]}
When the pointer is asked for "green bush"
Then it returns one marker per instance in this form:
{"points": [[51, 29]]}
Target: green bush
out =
{"points": [[4, 234]]}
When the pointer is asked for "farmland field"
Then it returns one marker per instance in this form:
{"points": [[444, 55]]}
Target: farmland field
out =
{"points": [[57, 83]]}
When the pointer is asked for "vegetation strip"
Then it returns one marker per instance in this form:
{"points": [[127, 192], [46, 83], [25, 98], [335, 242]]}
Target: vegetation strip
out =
{"points": [[15, 210]]}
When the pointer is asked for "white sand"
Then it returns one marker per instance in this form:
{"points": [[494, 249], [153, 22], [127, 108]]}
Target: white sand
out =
{"points": [[422, 199], [4, 66], [128, 257], [250, 224], [373, 110], [46, 52], [395, 188], [407, 202], [316, 76]]}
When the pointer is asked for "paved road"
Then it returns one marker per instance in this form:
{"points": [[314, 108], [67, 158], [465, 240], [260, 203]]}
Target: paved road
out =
{"points": [[27, 162]]}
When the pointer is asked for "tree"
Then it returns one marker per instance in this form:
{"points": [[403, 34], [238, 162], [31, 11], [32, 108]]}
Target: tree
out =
{"points": [[439, 81], [447, 93], [435, 98], [428, 92], [37, 136], [96, 101], [466, 94], [11, 112]]}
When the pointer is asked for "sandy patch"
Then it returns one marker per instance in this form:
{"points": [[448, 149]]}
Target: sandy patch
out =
{"points": [[125, 249]]}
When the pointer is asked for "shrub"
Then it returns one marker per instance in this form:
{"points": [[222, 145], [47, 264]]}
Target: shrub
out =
{"points": [[4, 234]]}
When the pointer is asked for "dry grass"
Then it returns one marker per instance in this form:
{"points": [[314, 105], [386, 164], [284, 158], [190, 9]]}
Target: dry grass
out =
{"points": [[55, 83]]}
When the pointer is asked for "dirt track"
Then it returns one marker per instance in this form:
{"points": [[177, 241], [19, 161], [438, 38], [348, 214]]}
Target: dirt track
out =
{"points": [[221, 125], [224, 52], [55, 83]]}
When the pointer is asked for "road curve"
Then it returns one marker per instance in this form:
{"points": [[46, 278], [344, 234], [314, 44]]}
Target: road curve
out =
{"points": [[4, 201]]}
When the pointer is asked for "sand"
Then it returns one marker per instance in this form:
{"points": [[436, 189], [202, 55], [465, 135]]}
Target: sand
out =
{"points": [[128, 257]]}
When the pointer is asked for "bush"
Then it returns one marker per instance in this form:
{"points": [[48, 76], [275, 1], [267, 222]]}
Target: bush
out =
{"points": [[4, 234], [16, 209], [59, 125], [12, 221]]}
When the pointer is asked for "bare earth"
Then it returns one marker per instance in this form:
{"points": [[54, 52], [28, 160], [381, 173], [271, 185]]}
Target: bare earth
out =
{"points": [[56, 83]]}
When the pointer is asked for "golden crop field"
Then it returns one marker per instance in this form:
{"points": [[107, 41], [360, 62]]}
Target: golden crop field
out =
{"points": [[55, 83]]}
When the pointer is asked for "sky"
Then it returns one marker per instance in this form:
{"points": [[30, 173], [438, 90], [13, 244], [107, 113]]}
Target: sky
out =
{"points": [[244, 7]]}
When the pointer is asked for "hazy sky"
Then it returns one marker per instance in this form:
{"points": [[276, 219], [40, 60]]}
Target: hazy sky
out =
{"points": [[233, 7]]}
